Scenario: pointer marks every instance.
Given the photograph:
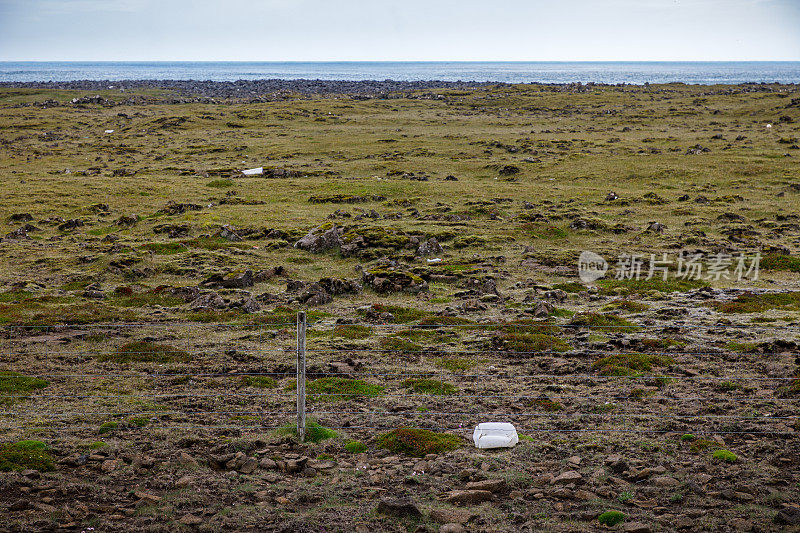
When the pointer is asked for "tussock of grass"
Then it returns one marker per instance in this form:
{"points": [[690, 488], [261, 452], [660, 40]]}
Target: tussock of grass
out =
{"points": [[260, 382], [629, 306], [220, 184], [780, 262], [611, 518], [628, 364], [530, 343], [417, 442], [602, 321], [724, 456], [756, 303], [146, 352], [352, 331], [335, 389], [429, 386], [398, 344], [15, 386], [314, 431], [355, 446], [456, 364], [26, 454]]}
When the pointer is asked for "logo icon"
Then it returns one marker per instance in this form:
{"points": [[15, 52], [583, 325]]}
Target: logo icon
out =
{"points": [[591, 267]]}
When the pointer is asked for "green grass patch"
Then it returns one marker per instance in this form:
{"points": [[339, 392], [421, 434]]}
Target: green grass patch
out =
{"points": [[780, 262], [628, 306], [429, 386], [355, 446], [24, 455], [756, 303], [602, 321], [398, 344], [15, 386], [570, 286], [417, 442], [314, 431], [146, 352], [456, 364], [214, 243], [107, 427], [335, 389], [352, 331], [260, 382], [629, 364], [611, 518], [530, 343], [742, 347], [724, 456]]}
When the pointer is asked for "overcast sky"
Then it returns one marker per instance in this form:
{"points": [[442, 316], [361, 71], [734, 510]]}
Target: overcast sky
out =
{"points": [[427, 30]]}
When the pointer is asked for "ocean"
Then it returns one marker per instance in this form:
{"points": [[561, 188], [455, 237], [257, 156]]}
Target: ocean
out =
{"points": [[510, 72]]}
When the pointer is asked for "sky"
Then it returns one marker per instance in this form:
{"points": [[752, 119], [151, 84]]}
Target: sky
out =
{"points": [[407, 30]]}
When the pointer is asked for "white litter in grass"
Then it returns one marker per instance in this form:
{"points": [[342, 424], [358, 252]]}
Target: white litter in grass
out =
{"points": [[109, 131], [495, 435], [253, 171], [435, 260], [769, 126]]}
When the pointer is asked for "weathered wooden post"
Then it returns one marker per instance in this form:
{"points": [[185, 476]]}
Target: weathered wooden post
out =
{"points": [[301, 376]]}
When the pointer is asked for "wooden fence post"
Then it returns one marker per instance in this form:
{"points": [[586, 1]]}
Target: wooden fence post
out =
{"points": [[301, 376]]}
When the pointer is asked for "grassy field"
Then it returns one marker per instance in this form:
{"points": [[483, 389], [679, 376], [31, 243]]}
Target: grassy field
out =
{"points": [[638, 386]]}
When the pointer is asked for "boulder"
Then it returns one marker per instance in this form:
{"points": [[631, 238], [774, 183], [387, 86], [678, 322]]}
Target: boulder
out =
{"points": [[468, 496], [387, 281], [399, 509], [430, 247], [315, 294], [318, 240]]}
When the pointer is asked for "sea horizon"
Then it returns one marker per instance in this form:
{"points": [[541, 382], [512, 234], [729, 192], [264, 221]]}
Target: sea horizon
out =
{"points": [[608, 72]]}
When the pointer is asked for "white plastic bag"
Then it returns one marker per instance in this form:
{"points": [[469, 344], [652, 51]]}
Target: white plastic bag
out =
{"points": [[253, 171], [495, 435]]}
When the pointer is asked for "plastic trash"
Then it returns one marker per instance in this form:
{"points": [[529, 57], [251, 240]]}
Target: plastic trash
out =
{"points": [[253, 171], [109, 131], [435, 260], [495, 435]]}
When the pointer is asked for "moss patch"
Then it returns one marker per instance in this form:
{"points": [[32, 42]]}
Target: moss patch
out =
{"points": [[629, 364], [756, 303], [417, 442], [611, 518], [352, 331], [25, 454], [314, 431], [334, 389], [260, 382], [530, 343], [14, 386], [602, 321]]}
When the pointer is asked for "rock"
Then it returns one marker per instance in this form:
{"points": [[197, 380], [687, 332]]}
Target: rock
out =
{"points": [[237, 279], [209, 300], [451, 528], [317, 241], [190, 520], [430, 247], [109, 465], [315, 294], [18, 234], [184, 459], [789, 515], [19, 505], [542, 309], [636, 527], [242, 464], [491, 485], [387, 281], [127, 220], [656, 227], [184, 481], [399, 509], [665, 481], [228, 233], [570, 476], [610, 197], [150, 498], [249, 305], [268, 464], [468, 496], [336, 286]]}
